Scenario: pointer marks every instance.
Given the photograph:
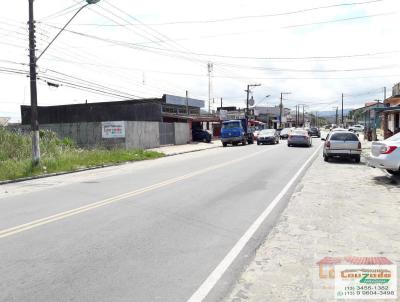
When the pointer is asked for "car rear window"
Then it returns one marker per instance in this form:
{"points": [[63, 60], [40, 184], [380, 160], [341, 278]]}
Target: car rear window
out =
{"points": [[300, 132], [340, 136]]}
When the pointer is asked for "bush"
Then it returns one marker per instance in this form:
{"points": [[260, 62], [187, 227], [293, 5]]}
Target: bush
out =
{"points": [[56, 155]]}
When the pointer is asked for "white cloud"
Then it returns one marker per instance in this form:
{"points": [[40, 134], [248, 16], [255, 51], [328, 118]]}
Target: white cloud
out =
{"points": [[147, 74]]}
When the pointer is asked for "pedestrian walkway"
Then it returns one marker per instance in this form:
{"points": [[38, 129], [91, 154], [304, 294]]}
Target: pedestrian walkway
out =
{"points": [[339, 209], [193, 147]]}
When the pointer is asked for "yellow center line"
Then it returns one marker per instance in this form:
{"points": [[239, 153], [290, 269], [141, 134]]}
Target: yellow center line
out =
{"points": [[53, 218]]}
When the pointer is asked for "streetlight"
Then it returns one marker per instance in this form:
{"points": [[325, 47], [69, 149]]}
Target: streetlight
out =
{"points": [[266, 97], [33, 76], [281, 108]]}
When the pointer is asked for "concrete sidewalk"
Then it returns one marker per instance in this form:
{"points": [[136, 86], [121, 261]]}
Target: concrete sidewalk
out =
{"points": [[193, 147], [338, 209]]}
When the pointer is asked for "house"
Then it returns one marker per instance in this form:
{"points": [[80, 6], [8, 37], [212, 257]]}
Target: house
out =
{"points": [[391, 113]]}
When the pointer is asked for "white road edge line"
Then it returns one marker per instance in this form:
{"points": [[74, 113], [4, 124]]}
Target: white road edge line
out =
{"points": [[206, 287]]}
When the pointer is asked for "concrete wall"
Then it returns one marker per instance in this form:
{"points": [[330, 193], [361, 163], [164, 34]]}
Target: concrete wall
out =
{"points": [[138, 135], [182, 133], [142, 135]]}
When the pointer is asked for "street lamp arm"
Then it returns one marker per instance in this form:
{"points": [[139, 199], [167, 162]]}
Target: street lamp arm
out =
{"points": [[59, 33]]}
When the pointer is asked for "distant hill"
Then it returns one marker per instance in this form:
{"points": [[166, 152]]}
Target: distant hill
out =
{"points": [[332, 113]]}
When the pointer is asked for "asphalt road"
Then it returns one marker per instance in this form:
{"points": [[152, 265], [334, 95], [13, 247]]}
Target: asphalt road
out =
{"points": [[154, 231]]}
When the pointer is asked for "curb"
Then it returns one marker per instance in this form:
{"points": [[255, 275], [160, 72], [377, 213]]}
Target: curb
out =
{"points": [[191, 151], [5, 182]]}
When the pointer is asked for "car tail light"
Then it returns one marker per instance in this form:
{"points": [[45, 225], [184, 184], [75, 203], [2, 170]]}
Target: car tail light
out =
{"points": [[328, 144], [289, 137], [359, 145], [388, 149]]}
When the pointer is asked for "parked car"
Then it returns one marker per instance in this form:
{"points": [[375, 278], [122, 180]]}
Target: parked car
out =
{"points": [[299, 138], [314, 131], [356, 128], [386, 154], [284, 133], [268, 136], [200, 135], [343, 144]]}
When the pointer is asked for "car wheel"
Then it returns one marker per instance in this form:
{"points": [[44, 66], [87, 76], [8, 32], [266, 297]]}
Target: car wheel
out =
{"points": [[326, 158], [289, 145], [357, 159], [393, 172], [244, 142], [258, 143], [224, 144]]}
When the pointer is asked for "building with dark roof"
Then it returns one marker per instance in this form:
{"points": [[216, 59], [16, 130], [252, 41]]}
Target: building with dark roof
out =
{"points": [[168, 108]]}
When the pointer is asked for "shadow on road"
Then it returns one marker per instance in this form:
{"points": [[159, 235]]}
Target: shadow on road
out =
{"points": [[387, 180]]}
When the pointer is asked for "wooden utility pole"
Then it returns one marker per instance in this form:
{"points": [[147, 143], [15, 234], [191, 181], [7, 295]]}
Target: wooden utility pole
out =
{"points": [[33, 86], [342, 111]]}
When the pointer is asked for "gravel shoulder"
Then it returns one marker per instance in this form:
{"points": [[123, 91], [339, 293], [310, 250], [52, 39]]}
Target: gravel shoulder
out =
{"points": [[339, 209]]}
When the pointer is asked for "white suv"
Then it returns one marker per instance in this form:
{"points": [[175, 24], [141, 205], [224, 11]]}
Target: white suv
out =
{"points": [[356, 128]]}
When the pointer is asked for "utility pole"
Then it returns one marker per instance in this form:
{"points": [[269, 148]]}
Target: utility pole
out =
{"points": [[33, 86], [337, 116], [342, 111], [248, 96], [281, 108], [384, 94], [187, 103], [210, 70], [33, 75], [221, 103]]}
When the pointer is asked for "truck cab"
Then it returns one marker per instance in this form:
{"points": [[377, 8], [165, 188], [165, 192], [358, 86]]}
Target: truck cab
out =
{"points": [[236, 131]]}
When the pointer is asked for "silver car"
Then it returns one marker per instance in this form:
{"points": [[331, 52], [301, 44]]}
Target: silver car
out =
{"points": [[268, 136], [343, 144], [299, 138], [386, 154]]}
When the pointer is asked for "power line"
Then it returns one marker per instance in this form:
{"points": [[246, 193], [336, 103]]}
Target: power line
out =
{"points": [[145, 47], [62, 12], [246, 17]]}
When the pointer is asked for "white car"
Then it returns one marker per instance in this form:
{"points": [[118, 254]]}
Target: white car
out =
{"points": [[343, 144], [386, 155], [338, 129], [356, 128]]}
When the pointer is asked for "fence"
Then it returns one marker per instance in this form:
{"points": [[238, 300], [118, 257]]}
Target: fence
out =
{"points": [[140, 135]]}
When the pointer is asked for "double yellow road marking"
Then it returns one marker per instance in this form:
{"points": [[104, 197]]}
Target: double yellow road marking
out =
{"points": [[63, 215]]}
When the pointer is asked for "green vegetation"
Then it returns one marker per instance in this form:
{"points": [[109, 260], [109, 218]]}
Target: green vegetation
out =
{"points": [[57, 155]]}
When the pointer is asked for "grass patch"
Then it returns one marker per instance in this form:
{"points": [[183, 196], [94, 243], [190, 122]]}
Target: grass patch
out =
{"points": [[57, 155]]}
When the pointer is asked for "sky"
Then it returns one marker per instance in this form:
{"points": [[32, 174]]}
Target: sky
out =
{"points": [[118, 49]]}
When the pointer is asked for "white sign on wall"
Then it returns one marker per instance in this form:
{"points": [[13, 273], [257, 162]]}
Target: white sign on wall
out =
{"points": [[113, 129]]}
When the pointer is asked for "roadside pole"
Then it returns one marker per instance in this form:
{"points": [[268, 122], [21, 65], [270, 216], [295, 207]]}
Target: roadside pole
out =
{"points": [[342, 112], [33, 88]]}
